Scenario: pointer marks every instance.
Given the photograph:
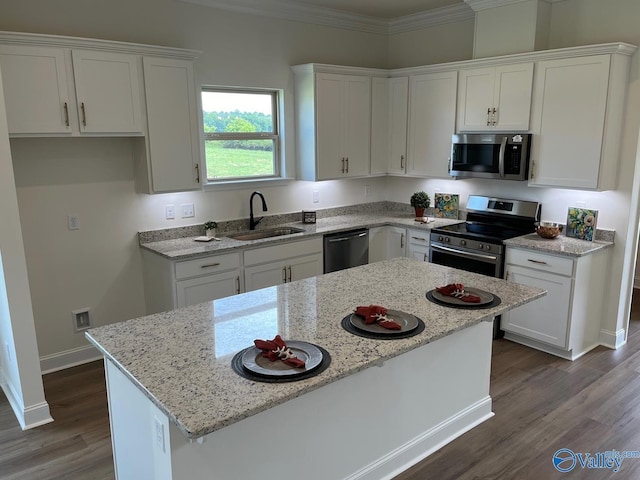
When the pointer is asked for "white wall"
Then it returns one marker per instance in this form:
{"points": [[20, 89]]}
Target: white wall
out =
{"points": [[19, 364]]}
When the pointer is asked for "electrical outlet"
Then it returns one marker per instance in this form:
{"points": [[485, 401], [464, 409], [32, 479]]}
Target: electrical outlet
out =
{"points": [[187, 210], [159, 434], [73, 222], [316, 196], [169, 212], [367, 190], [81, 319]]}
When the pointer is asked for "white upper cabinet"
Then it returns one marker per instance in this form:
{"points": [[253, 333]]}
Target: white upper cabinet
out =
{"points": [[577, 111], [173, 150], [389, 105], [107, 91], [398, 118], [432, 116], [495, 98], [379, 125], [333, 115], [53, 91], [36, 90]]}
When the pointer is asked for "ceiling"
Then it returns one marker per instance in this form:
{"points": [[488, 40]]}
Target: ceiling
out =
{"points": [[386, 9]]}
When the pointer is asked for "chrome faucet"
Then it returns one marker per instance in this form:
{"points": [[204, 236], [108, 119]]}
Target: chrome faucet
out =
{"points": [[252, 222]]}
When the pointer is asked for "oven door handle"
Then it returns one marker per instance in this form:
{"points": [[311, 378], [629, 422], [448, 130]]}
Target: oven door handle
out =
{"points": [[503, 148], [459, 253]]}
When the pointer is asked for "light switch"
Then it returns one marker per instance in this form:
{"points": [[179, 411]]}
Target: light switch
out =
{"points": [[169, 212]]}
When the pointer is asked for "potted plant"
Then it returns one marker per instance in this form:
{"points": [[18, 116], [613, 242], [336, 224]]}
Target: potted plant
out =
{"points": [[210, 228], [420, 201]]}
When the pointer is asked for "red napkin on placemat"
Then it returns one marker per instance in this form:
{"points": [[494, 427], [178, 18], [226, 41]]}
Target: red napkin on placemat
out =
{"points": [[456, 290], [277, 349], [377, 314]]}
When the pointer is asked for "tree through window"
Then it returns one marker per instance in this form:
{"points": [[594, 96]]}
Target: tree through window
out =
{"points": [[241, 134]]}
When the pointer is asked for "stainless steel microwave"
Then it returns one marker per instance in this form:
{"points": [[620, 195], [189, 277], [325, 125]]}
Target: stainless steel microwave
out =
{"points": [[494, 155]]}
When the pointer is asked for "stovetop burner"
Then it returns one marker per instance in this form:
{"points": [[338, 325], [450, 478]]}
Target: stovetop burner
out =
{"points": [[494, 220]]}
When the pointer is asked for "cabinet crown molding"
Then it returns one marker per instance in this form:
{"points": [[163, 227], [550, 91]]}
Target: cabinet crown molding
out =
{"points": [[478, 5], [37, 39]]}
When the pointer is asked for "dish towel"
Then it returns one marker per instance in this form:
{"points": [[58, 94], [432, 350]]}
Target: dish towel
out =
{"points": [[456, 290], [277, 349], [377, 314]]}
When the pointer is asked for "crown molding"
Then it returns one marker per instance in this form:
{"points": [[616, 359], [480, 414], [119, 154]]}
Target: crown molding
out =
{"points": [[288, 10], [430, 18], [478, 5]]}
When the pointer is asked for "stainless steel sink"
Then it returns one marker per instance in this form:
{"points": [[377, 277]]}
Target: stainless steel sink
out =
{"points": [[267, 233]]}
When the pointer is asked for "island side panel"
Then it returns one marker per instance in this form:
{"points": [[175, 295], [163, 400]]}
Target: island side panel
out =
{"points": [[370, 425], [139, 430]]}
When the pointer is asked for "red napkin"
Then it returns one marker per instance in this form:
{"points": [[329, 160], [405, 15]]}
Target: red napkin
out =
{"points": [[456, 290], [277, 349], [377, 314]]}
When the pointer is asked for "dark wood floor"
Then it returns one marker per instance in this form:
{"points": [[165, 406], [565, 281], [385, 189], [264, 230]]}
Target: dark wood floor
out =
{"points": [[541, 404]]}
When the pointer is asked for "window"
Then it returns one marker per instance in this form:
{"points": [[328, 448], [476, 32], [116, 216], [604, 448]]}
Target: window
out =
{"points": [[240, 134]]}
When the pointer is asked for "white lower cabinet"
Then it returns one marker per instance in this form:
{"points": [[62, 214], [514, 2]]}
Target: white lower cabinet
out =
{"points": [[566, 322], [277, 264], [418, 245], [173, 284], [386, 243]]}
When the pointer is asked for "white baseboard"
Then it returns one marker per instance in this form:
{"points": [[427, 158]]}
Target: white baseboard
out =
{"points": [[69, 358], [28, 417], [612, 339], [426, 443]]}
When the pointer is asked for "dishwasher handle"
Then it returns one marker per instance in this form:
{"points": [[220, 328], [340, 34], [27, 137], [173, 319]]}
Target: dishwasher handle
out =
{"points": [[347, 237]]}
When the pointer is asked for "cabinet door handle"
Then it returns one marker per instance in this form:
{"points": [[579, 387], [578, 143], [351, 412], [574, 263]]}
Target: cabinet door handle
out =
{"points": [[419, 238], [238, 284], [66, 114], [289, 268], [84, 114], [342, 164], [533, 170], [197, 173], [401, 162], [347, 164], [539, 262], [507, 276], [284, 274], [217, 264], [494, 120], [424, 257], [489, 117], [402, 240]]}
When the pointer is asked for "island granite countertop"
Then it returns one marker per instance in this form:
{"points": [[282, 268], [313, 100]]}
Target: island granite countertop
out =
{"points": [[181, 359]]}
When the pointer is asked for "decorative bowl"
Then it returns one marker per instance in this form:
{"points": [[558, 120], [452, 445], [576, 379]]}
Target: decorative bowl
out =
{"points": [[548, 229]]}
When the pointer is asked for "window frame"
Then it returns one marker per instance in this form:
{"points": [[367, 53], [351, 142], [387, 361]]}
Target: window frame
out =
{"points": [[275, 136]]}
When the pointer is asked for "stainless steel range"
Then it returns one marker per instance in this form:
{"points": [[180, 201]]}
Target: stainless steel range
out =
{"points": [[477, 244]]}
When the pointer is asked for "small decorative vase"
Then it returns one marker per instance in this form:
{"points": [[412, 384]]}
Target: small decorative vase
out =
{"points": [[419, 212], [211, 232]]}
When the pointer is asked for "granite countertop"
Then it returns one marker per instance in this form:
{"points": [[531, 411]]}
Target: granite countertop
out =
{"points": [[186, 247], [181, 359], [561, 245]]}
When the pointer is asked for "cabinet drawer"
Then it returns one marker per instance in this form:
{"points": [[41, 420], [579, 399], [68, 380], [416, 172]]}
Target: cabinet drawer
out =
{"points": [[540, 261], [207, 265], [282, 251], [418, 237]]}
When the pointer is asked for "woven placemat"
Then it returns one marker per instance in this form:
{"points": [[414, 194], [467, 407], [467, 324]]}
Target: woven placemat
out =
{"points": [[236, 365]]}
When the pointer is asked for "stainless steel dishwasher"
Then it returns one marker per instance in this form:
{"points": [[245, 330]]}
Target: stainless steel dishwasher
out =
{"points": [[346, 249]]}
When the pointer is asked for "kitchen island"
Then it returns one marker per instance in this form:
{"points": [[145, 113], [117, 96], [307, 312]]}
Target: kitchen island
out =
{"points": [[178, 410]]}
